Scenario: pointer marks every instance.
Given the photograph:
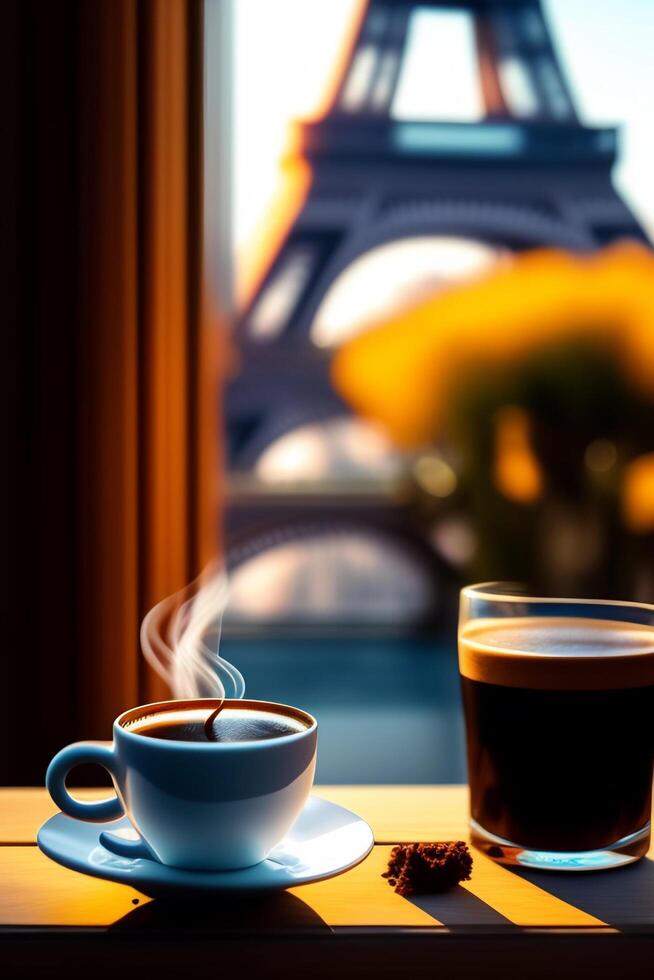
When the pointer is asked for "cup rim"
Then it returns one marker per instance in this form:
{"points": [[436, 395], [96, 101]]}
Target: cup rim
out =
{"points": [[500, 592], [273, 707]]}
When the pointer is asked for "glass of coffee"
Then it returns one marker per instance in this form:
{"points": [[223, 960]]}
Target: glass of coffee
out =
{"points": [[558, 697]]}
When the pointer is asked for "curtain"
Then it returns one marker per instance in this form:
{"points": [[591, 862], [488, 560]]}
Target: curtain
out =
{"points": [[117, 487]]}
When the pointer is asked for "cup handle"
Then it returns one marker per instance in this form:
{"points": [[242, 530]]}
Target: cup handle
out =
{"points": [[55, 780], [96, 811]]}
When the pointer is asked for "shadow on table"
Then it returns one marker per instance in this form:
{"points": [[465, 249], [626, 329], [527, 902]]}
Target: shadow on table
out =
{"points": [[623, 898], [267, 913], [460, 909]]}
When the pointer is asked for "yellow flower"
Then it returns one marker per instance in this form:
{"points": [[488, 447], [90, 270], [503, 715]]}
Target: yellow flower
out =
{"points": [[516, 471], [638, 495], [402, 373]]}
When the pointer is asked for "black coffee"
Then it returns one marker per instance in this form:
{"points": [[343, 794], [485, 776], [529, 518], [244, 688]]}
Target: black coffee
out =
{"points": [[231, 725], [560, 739]]}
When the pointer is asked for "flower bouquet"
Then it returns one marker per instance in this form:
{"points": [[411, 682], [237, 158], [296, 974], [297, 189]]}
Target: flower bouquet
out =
{"points": [[532, 390]]}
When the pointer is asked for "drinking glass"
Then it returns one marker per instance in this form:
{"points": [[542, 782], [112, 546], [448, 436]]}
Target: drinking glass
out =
{"points": [[558, 697]]}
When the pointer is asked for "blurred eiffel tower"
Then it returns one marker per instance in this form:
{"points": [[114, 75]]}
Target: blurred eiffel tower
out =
{"points": [[519, 171], [527, 173]]}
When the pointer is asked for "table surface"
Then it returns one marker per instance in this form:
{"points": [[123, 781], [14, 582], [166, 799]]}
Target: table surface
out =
{"points": [[38, 895]]}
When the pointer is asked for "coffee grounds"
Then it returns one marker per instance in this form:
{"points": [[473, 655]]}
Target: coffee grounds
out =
{"points": [[418, 869]]}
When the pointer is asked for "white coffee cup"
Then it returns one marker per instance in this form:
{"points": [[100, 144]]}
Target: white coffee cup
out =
{"points": [[199, 805]]}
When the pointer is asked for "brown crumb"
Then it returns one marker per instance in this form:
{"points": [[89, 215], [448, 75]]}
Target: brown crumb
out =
{"points": [[418, 869]]}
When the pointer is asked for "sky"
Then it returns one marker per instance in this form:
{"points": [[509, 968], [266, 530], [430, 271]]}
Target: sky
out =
{"points": [[284, 50]]}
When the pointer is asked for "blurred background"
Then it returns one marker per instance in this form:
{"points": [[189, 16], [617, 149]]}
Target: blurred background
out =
{"points": [[410, 244], [457, 154]]}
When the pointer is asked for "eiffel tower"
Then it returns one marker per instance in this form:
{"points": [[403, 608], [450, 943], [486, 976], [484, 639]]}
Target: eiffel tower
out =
{"points": [[518, 171], [522, 172]]}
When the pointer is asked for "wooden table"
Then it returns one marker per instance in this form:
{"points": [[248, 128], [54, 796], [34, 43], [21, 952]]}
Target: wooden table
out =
{"points": [[501, 923]]}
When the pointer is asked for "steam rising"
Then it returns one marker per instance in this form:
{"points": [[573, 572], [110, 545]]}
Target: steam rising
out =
{"points": [[180, 638]]}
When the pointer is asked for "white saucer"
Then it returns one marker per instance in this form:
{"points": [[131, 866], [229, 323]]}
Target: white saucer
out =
{"points": [[325, 840]]}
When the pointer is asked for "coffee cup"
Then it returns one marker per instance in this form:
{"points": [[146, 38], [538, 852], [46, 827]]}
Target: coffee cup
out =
{"points": [[201, 803]]}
